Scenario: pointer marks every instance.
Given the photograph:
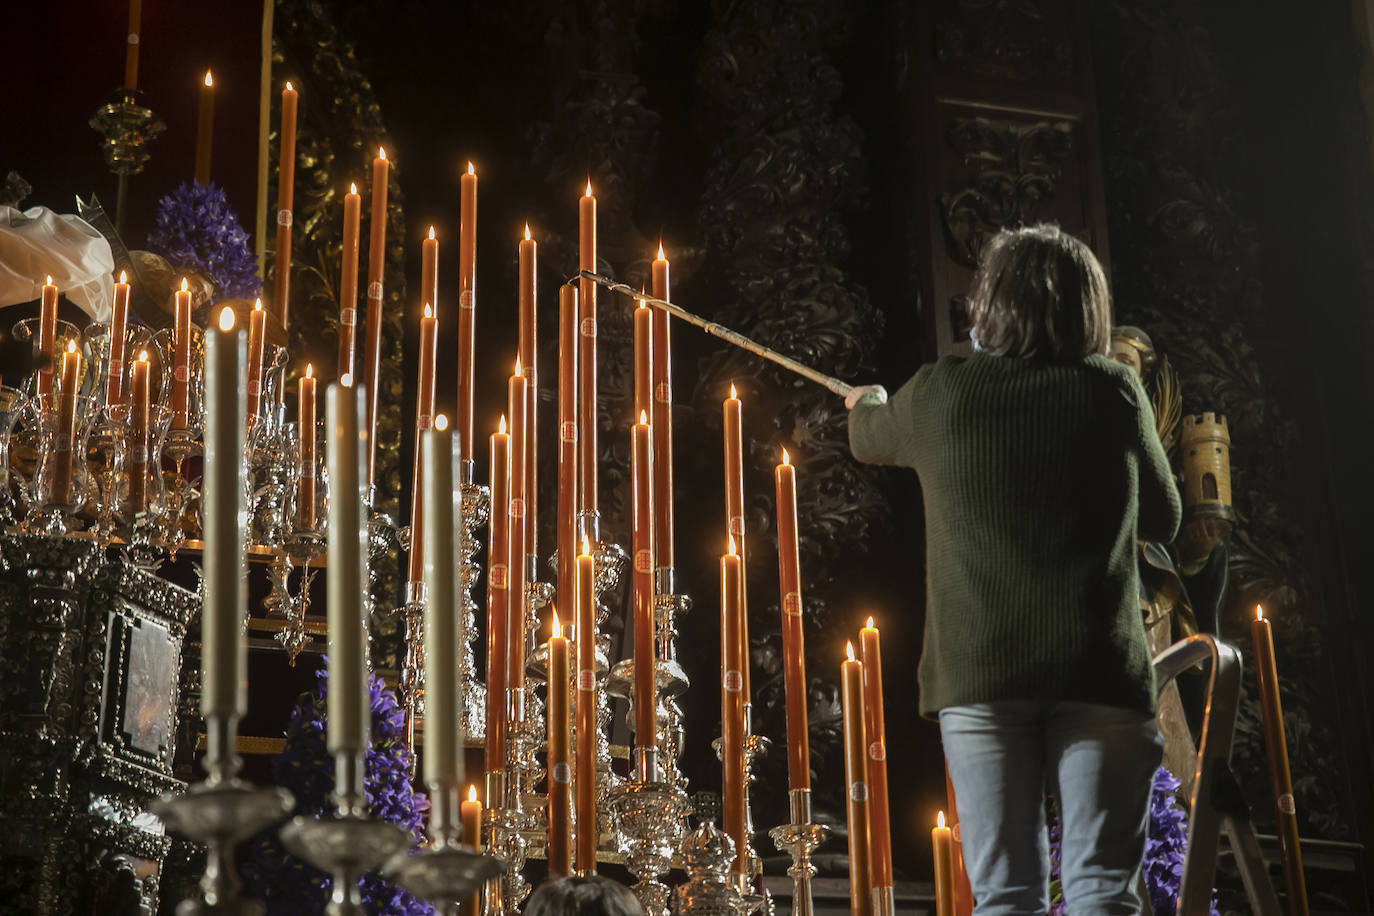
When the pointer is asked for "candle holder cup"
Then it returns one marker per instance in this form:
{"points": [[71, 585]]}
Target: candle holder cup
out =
{"points": [[799, 839], [445, 871], [12, 403], [649, 818], [61, 480]]}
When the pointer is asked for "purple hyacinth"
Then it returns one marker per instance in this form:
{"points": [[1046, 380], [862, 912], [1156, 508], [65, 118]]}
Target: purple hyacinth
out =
{"points": [[197, 230]]}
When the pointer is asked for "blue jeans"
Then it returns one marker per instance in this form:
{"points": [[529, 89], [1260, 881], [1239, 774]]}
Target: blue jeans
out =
{"points": [[1099, 761]]}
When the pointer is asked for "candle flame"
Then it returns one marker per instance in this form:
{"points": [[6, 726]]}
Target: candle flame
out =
{"points": [[786, 458], [869, 625], [257, 305], [352, 187], [309, 370], [346, 380], [586, 546], [289, 87], [48, 282], [517, 365], [381, 152], [642, 303], [557, 630], [71, 346], [661, 255], [142, 356], [429, 312], [226, 319], [589, 186], [471, 170], [184, 287], [849, 649], [441, 422], [431, 232], [643, 418], [527, 232], [730, 548], [940, 820], [1259, 612], [208, 80], [733, 395], [123, 278], [501, 427], [472, 793]]}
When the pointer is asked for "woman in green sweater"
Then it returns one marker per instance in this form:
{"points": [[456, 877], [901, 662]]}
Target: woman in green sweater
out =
{"points": [[1040, 468]]}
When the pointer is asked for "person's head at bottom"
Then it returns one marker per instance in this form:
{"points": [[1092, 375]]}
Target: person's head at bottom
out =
{"points": [[590, 895]]}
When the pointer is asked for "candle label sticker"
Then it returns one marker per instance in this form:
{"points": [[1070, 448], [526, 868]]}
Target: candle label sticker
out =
{"points": [[422, 421], [374, 290], [64, 442], [348, 318], [586, 679], [791, 604], [733, 682], [284, 218], [644, 561], [517, 508], [737, 525], [466, 299], [956, 834], [562, 773], [568, 431], [133, 38], [116, 366], [858, 792], [181, 373], [308, 468], [663, 392], [877, 751], [138, 453], [254, 387], [496, 576], [588, 327], [1286, 803]]}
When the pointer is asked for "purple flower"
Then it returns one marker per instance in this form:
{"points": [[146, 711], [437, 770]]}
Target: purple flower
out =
{"points": [[197, 230]]}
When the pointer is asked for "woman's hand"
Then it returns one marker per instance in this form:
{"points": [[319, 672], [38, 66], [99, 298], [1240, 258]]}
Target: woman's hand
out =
{"points": [[859, 391]]}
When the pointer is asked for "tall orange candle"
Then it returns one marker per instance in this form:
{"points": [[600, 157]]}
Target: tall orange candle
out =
{"points": [[732, 702], [424, 417], [942, 846], [348, 283], [47, 342], [586, 354], [560, 771], [257, 341], [529, 365], [587, 829], [734, 511], [429, 270], [855, 775], [131, 46], [662, 417], [793, 641], [305, 419], [470, 813], [66, 427], [372, 340], [286, 182], [467, 304], [879, 830], [517, 393], [205, 128], [644, 368], [498, 600], [181, 359], [138, 436], [119, 320], [1280, 777], [567, 444], [642, 547]]}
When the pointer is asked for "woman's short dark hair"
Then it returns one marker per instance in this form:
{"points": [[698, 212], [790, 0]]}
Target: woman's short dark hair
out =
{"points": [[1040, 293], [590, 895]]}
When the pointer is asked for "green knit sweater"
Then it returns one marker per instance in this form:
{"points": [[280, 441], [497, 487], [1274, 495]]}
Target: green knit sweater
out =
{"points": [[1038, 478]]}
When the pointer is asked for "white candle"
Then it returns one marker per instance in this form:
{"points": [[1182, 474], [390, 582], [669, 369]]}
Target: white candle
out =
{"points": [[443, 741], [349, 713], [224, 648]]}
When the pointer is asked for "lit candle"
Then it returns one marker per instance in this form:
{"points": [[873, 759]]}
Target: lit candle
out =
{"points": [[429, 270], [662, 418], [586, 355], [567, 443], [66, 427], [498, 601], [286, 179], [119, 319], [424, 414], [517, 400], [642, 546], [879, 830], [205, 129], [793, 641], [643, 350], [734, 511], [305, 419], [138, 437], [131, 47], [181, 359], [1280, 777], [376, 271], [942, 846], [529, 362], [560, 773], [587, 830], [470, 813], [732, 703], [467, 304], [349, 709], [47, 342], [443, 755], [224, 580], [348, 282], [852, 704], [257, 342]]}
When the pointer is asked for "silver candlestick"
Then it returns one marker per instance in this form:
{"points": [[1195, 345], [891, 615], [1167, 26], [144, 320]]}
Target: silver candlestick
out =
{"points": [[219, 813], [668, 606], [799, 839], [445, 871], [346, 844], [412, 679], [649, 816], [476, 506], [509, 836]]}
